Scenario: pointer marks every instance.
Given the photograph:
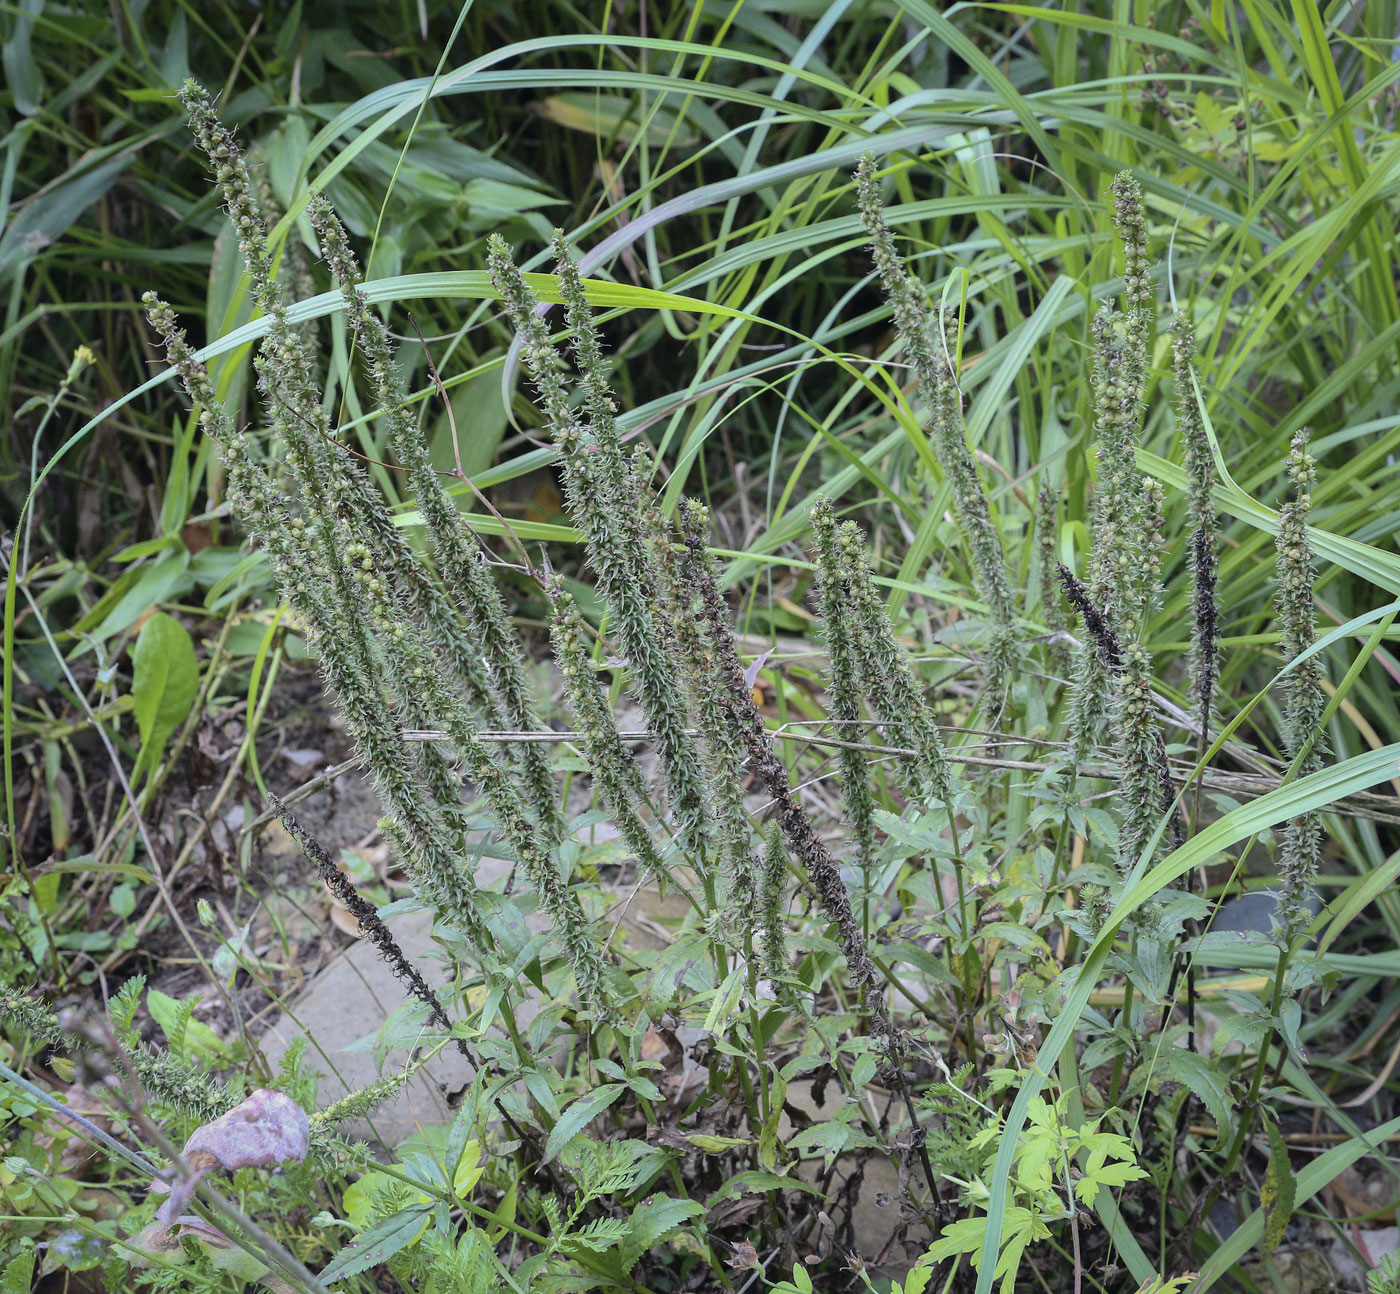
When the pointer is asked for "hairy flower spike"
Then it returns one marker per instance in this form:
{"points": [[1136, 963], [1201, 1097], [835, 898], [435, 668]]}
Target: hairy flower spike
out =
{"points": [[1144, 586], [410, 661], [479, 628], [794, 823], [594, 388], [625, 574], [1047, 536], [1305, 699], [21, 1012], [356, 1105], [176, 1083], [430, 845], [884, 672], [691, 642], [924, 334], [1147, 788], [772, 901], [1205, 634], [1139, 293], [614, 770], [1125, 557], [834, 584]]}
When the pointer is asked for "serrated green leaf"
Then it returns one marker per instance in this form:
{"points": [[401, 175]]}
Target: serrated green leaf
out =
{"points": [[654, 1220], [380, 1243], [19, 1274], [597, 1237], [1205, 1079], [1277, 1191], [581, 1113]]}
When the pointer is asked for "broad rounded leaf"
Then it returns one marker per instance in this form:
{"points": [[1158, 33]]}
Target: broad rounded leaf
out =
{"points": [[165, 681]]}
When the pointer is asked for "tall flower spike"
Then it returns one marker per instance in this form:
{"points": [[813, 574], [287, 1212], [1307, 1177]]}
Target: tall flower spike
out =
{"points": [[924, 335], [413, 664], [1143, 755], [613, 555], [802, 839], [331, 483], [1139, 292], [594, 388], [692, 648], [504, 699], [1305, 700], [1116, 557], [1205, 633], [843, 681], [1098, 661], [343, 505], [1113, 559], [1047, 534], [614, 771], [885, 674], [1146, 584], [336, 631], [772, 904]]}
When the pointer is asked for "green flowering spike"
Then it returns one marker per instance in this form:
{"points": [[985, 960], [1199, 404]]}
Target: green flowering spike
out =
{"points": [[773, 906], [355, 1105], [322, 597], [816, 860], [1089, 703], [1305, 699], [230, 169], [307, 557], [1146, 585], [316, 583], [480, 627], [1125, 536], [1113, 557], [1147, 789], [412, 662], [926, 340], [1204, 559], [428, 836], [883, 671], [1047, 548], [334, 489], [1139, 292], [546, 367], [689, 638], [843, 678], [21, 1012], [595, 391], [623, 569], [725, 755], [189, 1093], [611, 764]]}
